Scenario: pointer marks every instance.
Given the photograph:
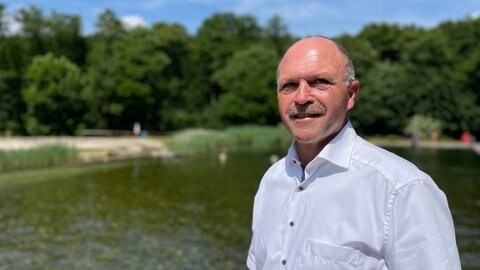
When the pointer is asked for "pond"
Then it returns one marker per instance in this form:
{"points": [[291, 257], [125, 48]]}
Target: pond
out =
{"points": [[179, 213]]}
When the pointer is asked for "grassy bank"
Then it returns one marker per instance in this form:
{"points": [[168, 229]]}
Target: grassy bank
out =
{"points": [[41, 156], [231, 139]]}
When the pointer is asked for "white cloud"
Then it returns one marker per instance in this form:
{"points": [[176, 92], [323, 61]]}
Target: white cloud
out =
{"points": [[13, 27], [132, 21], [475, 15]]}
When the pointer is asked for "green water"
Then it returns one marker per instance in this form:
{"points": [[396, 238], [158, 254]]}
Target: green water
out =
{"points": [[181, 213]]}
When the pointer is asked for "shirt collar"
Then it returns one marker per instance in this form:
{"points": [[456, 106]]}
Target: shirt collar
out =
{"points": [[338, 151]]}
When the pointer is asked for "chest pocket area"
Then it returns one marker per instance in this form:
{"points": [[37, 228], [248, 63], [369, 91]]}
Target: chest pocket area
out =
{"points": [[318, 255]]}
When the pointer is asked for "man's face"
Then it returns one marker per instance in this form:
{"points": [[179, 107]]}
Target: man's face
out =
{"points": [[313, 97]]}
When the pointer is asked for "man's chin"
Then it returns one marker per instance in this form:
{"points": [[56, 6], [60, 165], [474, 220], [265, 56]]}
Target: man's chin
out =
{"points": [[306, 139]]}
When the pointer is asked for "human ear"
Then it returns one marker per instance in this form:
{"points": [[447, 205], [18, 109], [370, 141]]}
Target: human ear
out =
{"points": [[352, 93]]}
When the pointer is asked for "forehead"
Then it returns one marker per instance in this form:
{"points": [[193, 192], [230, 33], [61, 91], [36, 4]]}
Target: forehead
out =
{"points": [[312, 58]]}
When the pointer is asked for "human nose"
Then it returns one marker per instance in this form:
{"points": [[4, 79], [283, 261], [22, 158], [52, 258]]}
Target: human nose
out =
{"points": [[303, 93]]}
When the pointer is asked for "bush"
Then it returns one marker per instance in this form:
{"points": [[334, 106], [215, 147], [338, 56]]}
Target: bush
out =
{"points": [[423, 126], [41, 156], [233, 138]]}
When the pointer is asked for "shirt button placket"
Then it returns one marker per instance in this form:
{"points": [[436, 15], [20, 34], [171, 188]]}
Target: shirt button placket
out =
{"points": [[288, 234]]}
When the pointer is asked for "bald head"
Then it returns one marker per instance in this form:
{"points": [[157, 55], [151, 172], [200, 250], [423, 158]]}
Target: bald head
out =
{"points": [[320, 47]]}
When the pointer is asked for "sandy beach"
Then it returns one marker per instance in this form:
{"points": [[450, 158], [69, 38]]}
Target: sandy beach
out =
{"points": [[93, 148]]}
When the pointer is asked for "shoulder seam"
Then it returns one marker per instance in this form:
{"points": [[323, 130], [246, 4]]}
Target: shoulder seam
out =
{"points": [[389, 208]]}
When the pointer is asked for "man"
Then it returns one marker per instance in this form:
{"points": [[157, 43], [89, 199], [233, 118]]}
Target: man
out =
{"points": [[336, 201]]}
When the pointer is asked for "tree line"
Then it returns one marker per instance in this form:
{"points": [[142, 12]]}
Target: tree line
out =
{"points": [[54, 80]]}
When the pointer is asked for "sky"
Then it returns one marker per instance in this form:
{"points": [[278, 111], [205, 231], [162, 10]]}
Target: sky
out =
{"points": [[303, 17]]}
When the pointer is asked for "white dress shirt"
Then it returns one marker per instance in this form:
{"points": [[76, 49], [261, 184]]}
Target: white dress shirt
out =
{"points": [[355, 206]]}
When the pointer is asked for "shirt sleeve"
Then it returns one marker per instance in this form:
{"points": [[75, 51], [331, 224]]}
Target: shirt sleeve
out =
{"points": [[251, 257], [421, 234]]}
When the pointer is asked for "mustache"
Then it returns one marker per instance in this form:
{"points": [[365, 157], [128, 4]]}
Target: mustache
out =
{"points": [[315, 109]]}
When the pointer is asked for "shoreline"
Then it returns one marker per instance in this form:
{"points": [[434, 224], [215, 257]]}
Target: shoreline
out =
{"points": [[93, 149], [111, 148], [428, 144], [97, 150]]}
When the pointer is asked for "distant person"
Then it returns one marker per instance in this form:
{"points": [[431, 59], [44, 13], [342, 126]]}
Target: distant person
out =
{"points": [[336, 201], [466, 137], [137, 129]]}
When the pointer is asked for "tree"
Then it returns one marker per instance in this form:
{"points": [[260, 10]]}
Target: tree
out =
{"points": [[64, 37], [101, 77], [34, 29], [445, 99], [248, 80], [277, 35], [225, 73], [3, 21], [12, 65], [171, 89], [463, 36], [423, 126], [139, 65], [432, 49], [389, 40], [362, 53], [216, 40], [53, 96], [467, 74], [388, 97], [445, 95]]}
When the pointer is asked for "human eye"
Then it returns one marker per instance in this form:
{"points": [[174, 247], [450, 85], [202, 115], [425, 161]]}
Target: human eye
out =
{"points": [[320, 83], [287, 87]]}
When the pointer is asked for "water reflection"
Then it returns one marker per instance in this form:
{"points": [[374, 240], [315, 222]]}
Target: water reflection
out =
{"points": [[183, 213]]}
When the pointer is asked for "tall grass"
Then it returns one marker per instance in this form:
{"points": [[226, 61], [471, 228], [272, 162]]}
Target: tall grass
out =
{"points": [[232, 138], [40, 156]]}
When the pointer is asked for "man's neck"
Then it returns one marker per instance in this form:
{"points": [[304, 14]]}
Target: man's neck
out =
{"points": [[308, 151]]}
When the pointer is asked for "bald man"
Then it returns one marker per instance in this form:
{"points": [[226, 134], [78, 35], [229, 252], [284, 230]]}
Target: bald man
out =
{"points": [[336, 201]]}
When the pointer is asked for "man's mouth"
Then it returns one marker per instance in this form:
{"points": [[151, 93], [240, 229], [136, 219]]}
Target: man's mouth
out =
{"points": [[304, 115]]}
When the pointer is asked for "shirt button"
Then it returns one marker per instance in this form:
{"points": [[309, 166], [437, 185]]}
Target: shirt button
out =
{"points": [[292, 223], [284, 262], [300, 188]]}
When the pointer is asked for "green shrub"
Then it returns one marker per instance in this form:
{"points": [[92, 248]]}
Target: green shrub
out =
{"points": [[233, 138], [423, 125], [41, 156]]}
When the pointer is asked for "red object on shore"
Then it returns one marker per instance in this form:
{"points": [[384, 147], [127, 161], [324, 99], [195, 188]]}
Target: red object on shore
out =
{"points": [[466, 137]]}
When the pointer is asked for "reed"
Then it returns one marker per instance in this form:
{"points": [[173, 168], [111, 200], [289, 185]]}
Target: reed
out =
{"points": [[231, 139], [40, 156]]}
